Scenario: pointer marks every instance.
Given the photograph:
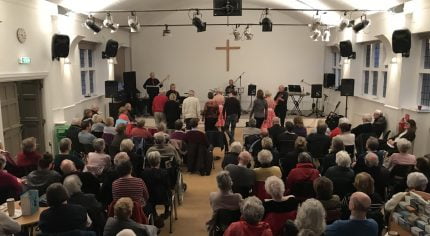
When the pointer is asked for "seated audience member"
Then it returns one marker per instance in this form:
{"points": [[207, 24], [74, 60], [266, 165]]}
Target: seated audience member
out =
{"points": [[364, 182], [126, 232], [179, 133], [197, 150], [95, 210], [98, 161], [266, 170], [416, 182], [365, 128], [323, 188], [231, 157], [299, 127], [85, 136], [90, 184], [88, 115], [251, 129], [341, 175], [276, 129], [95, 109], [224, 198], [210, 113], [44, 176], [163, 148], [123, 209], [304, 172], [288, 136], [380, 174], [358, 224], [252, 211], [345, 134], [130, 113], [158, 182], [117, 139], [319, 142], [336, 131], [29, 157], [9, 184], [172, 110], [423, 166], [8, 226], [106, 187], [409, 134], [266, 143], [278, 204], [162, 129], [289, 160], [379, 124], [61, 216], [372, 146], [330, 159], [127, 146], [129, 186], [98, 126], [140, 131], [194, 135], [310, 218], [403, 157], [123, 117], [73, 132], [242, 177], [65, 148], [109, 127]]}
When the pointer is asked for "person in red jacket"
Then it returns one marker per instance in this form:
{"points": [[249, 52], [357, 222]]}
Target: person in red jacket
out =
{"points": [[28, 158], [9, 184], [250, 224], [304, 172], [158, 107]]}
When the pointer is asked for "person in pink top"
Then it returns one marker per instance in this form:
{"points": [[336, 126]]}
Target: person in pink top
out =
{"points": [[158, 107], [219, 100], [123, 114], [270, 111], [403, 157]]}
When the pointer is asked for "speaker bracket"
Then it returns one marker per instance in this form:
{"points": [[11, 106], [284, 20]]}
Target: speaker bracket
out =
{"points": [[353, 55], [406, 54]]}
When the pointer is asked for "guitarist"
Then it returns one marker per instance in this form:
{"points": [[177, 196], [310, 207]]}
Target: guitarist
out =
{"points": [[152, 81]]}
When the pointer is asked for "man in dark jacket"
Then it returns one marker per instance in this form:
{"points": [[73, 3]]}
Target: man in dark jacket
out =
{"points": [[365, 128], [242, 177], [231, 113], [286, 139], [319, 143], [44, 176], [379, 123], [276, 130], [72, 133]]}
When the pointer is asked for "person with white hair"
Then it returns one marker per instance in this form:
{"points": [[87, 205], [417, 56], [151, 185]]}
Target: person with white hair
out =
{"points": [[266, 170], [73, 132], [336, 131], [341, 175], [402, 157], [364, 128], [8, 226], [251, 129], [190, 108], [252, 211], [164, 148], [243, 177], [158, 107], [310, 217], [232, 157], [97, 161], [379, 123]]}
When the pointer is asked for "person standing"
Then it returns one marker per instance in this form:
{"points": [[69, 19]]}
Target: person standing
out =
{"points": [[230, 88], [231, 112], [270, 112], [210, 113], [158, 107], [152, 81], [172, 111], [190, 108], [281, 100], [259, 109], [173, 90]]}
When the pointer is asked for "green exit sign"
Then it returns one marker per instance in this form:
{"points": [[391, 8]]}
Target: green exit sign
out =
{"points": [[24, 60]]}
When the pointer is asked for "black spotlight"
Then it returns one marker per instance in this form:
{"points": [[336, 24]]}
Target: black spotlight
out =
{"points": [[199, 24], [360, 26], [91, 24], [267, 24]]}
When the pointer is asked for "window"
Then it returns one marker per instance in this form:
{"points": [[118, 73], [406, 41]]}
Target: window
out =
{"points": [[337, 68], [425, 90], [87, 68], [373, 70], [376, 53], [375, 83], [384, 86], [368, 51], [427, 54], [366, 82], [425, 74]]}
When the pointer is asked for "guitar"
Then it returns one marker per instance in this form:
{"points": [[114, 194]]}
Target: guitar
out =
{"points": [[162, 81]]}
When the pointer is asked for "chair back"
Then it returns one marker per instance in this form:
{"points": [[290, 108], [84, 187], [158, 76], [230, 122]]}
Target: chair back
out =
{"points": [[223, 219], [108, 138], [332, 215], [360, 142], [249, 140], [286, 146], [350, 149], [398, 177], [303, 190], [216, 138], [277, 220], [137, 215], [260, 191], [139, 145]]}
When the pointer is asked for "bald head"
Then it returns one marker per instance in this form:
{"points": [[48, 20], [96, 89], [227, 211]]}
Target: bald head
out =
{"points": [[359, 203], [276, 120], [264, 133], [371, 159], [67, 166], [244, 158]]}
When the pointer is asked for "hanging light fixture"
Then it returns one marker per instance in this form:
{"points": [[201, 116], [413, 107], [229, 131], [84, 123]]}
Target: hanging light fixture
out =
{"points": [[362, 25], [326, 35], [236, 33], [247, 33], [198, 23], [315, 35], [90, 23], [316, 23], [133, 23], [108, 23], [343, 24], [167, 32]]}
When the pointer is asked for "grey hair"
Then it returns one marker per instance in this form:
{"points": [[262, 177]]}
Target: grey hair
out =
{"points": [[3, 161], [403, 145], [274, 186], [379, 112], [76, 121], [120, 157], [154, 158], [252, 210], [224, 181], [126, 232], [306, 232], [417, 180], [99, 144], [311, 215], [265, 157], [236, 147], [161, 127], [371, 159], [266, 143], [252, 122], [343, 159], [304, 157], [159, 138], [344, 120], [367, 117], [126, 145], [72, 184], [276, 120]]}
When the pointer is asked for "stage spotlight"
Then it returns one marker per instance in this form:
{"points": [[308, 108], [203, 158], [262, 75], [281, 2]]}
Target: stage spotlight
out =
{"points": [[108, 23], [236, 34], [248, 34], [133, 23], [326, 35], [199, 24], [360, 26], [343, 24], [167, 32], [90, 23], [315, 35], [266, 25]]}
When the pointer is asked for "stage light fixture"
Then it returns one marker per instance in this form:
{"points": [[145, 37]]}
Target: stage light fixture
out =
{"points": [[133, 23], [326, 35], [90, 23], [362, 25], [167, 32], [316, 23], [108, 23], [198, 23], [247, 33], [343, 24], [315, 35], [236, 33], [266, 25]]}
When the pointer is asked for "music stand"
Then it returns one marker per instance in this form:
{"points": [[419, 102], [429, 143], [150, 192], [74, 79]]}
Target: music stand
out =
{"points": [[152, 90]]}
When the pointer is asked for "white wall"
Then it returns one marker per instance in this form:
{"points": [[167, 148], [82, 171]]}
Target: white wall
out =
{"points": [[62, 99], [284, 56]]}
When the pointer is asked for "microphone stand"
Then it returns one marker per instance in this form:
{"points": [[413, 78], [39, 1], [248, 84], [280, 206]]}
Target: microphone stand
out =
{"points": [[240, 87]]}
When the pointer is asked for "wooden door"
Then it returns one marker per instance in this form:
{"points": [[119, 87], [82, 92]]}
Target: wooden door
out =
{"points": [[10, 117]]}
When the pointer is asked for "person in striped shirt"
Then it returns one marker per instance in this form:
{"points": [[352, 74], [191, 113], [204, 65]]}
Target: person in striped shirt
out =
{"points": [[129, 186]]}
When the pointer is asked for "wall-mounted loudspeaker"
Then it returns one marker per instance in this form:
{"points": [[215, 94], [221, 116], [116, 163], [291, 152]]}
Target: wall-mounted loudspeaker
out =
{"points": [[347, 87], [329, 80], [60, 46], [227, 7], [111, 88], [252, 90], [111, 49], [346, 49], [402, 42]]}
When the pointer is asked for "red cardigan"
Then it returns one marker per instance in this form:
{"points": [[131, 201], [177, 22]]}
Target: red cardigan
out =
{"points": [[28, 159], [242, 228], [303, 172], [159, 102]]}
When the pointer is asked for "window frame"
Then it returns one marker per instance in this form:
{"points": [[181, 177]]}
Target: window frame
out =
{"points": [[424, 71], [337, 68], [375, 84], [87, 67]]}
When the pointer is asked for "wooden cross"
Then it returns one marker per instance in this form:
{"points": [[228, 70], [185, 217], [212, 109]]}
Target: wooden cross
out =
{"points": [[227, 49]]}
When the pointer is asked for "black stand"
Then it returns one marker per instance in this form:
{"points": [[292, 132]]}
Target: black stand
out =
{"points": [[346, 107], [315, 109]]}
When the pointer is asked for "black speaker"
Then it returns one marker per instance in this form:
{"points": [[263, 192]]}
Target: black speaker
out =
{"points": [[316, 91], [129, 78], [329, 80], [252, 90], [347, 87], [346, 48], [402, 41], [60, 46], [111, 88], [111, 49], [227, 7]]}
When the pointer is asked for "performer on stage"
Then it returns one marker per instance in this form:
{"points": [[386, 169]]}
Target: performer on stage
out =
{"points": [[152, 81], [173, 90], [230, 88], [281, 100]]}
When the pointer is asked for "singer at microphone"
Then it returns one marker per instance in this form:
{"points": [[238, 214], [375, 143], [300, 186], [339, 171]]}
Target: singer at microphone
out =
{"points": [[230, 88]]}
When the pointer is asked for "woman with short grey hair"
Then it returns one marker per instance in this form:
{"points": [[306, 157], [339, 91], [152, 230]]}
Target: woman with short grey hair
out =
{"points": [[72, 184], [232, 157], [98, 161], [265, 171], [311, 216], [341, 175], [127, 146], [154, 159], [402, 157], [250, 224], [265, 157]]}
